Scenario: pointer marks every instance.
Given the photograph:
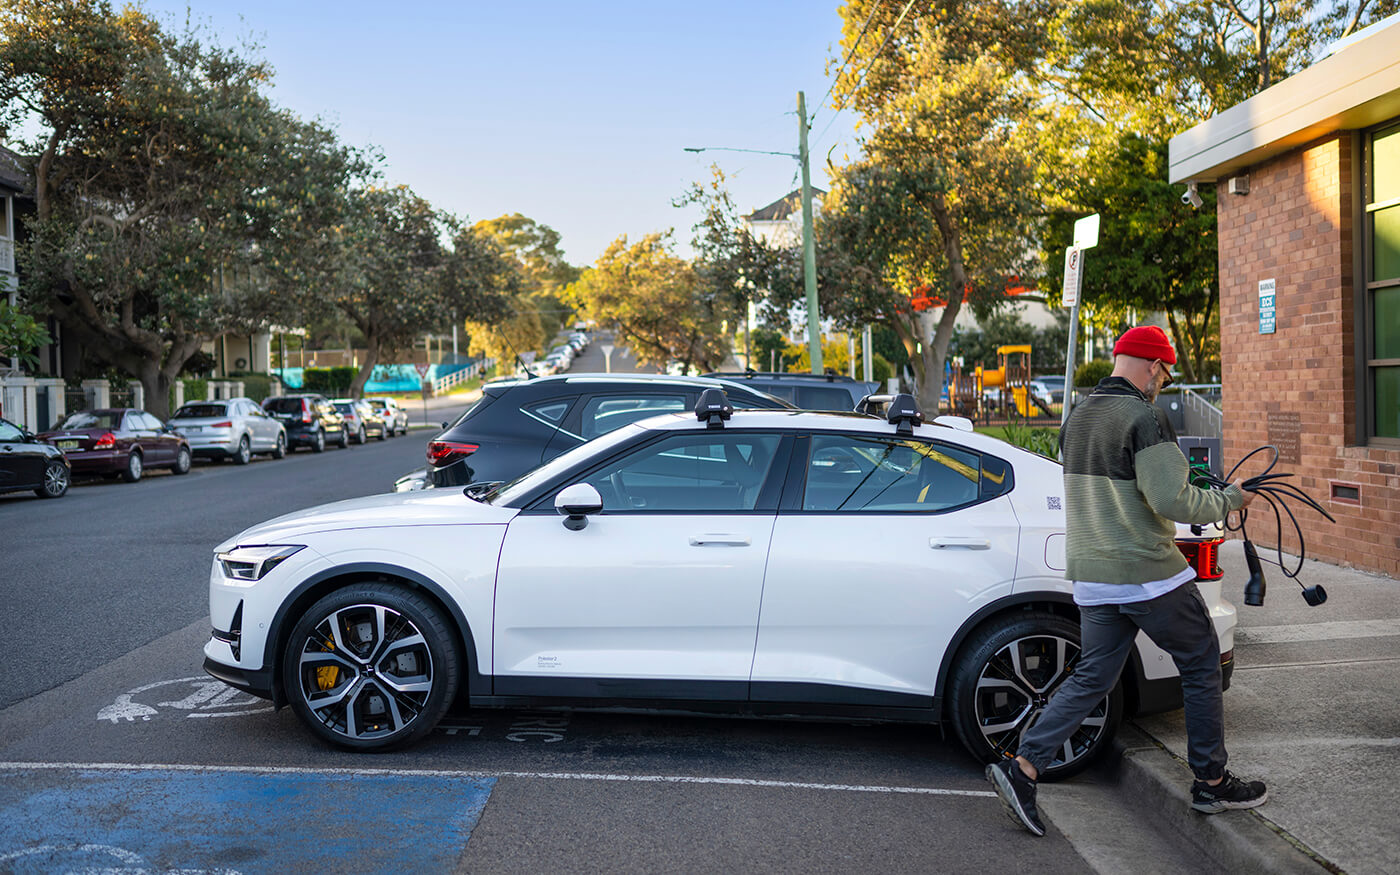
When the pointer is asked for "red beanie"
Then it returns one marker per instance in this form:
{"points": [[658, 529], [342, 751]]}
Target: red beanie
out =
{"points": [[1146, 342]]}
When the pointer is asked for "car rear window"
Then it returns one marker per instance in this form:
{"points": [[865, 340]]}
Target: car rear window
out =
{"points": [[344, 406], [91, 419], [193, 411], [823, 398], [282, 405]]}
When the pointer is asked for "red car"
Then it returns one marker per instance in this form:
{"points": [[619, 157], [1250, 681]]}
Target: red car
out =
{"points": [[121, 440]]}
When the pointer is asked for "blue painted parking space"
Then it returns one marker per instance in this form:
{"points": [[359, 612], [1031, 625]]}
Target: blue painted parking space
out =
{"points": [[213, 820]]}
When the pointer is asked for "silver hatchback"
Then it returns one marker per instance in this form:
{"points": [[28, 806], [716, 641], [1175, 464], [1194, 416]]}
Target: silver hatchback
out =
{"points": [[232, 429]]}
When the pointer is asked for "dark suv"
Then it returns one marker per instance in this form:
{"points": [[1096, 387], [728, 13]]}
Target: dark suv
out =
{"points": [[310, 420], [520, 424], [807, 391]]}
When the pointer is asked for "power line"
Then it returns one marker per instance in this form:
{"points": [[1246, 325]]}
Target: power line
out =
{"points": [[821, 104], [873, 58]]}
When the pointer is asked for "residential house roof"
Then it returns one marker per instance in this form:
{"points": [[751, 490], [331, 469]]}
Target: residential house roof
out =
{"points": [[782, 208]]}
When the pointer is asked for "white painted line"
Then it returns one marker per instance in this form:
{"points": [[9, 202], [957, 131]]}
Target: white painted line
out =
{"points": [[448, 773], [1330, 631]]}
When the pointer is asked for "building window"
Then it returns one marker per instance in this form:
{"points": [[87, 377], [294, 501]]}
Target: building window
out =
{"points": [[1382, 264]]}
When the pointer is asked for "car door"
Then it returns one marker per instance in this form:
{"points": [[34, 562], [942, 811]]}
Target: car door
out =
{"points": [[937, 516], [21, 462], [264, 429], [145, 433], [658, 596]]}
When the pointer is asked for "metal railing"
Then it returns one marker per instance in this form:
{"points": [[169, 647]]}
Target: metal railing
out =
{"points": [[1203, 418]]}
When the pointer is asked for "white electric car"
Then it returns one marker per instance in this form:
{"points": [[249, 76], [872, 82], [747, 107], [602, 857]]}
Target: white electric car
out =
{"points": [[765, 562]]}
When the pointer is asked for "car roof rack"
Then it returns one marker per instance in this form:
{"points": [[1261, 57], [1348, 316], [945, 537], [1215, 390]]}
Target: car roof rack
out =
{"points": [[750, 373], [713, 408], [904, 413]]}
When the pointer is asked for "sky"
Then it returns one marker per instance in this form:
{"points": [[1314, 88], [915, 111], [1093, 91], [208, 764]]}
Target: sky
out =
{"points": [[575, 114]]}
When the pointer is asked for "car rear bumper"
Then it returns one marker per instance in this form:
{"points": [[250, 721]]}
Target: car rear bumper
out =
{"points": [[96, 461]]}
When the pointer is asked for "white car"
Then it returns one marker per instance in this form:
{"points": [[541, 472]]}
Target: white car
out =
{"points": [[231, 429], [765, 562]]}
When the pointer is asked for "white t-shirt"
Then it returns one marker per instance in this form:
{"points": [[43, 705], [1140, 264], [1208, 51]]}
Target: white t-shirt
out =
{"points": [[1088, 593]]}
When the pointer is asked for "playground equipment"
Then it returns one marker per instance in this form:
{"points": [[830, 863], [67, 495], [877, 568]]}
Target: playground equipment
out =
{"points": [[1012, 378]]}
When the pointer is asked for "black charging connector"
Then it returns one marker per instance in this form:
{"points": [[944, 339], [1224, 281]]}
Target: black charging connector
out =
{"points": [[1254, 589]]}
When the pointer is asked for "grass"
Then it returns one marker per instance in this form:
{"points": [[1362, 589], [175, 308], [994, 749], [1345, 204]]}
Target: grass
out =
{"points": [[1038, 439]]}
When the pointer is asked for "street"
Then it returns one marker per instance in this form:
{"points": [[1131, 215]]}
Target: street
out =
{"points": [[109, 719]]}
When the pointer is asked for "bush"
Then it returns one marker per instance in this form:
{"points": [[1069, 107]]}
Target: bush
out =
{"points": [[332, 382], [1091, 372], [255, 386], [1045, 441]]}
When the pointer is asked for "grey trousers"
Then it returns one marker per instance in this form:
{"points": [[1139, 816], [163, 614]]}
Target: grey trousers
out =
{"points": [[1179, 623]]}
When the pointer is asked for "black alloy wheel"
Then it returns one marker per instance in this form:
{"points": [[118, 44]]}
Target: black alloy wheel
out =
{"points": [[183, 460], [56, 481], [1005, 676], [134, 467], [244, 454], [371, 667]]}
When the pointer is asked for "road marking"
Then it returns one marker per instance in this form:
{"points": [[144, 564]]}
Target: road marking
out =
{"points": [[453, 773], [1329, 631]]}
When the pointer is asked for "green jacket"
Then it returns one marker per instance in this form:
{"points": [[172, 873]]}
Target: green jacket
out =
{"points": [[1126, 481]]}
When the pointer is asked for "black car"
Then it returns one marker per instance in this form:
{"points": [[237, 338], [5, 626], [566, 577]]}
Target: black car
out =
{"points": [[519, 424], [806, 391], [310, 420], [26, 463]]}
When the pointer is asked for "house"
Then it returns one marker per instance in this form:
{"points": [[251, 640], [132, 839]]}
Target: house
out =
{"points": [[1308, 183]]}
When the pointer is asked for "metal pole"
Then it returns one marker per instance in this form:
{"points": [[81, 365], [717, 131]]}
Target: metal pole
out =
{"points": [[809, 241], [1069, 363], [868, 355]]}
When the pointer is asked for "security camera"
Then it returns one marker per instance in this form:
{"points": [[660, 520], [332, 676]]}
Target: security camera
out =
{"points": [[1192, 198]]}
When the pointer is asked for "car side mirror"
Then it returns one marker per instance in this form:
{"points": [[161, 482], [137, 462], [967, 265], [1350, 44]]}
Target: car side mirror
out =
{"points": [[445, 425], [577, 502]]}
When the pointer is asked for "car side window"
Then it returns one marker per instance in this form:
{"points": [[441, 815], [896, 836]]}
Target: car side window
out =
{"points": [[855, 474], [604, 413], [711, 472], [10, 433]]}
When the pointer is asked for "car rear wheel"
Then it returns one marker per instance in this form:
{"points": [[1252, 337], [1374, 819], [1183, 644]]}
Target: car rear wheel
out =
{"points": [[182, 461], [279, 449], [371, 667], [1005, 676], [56, 481], [244, 454], [133, 468]]}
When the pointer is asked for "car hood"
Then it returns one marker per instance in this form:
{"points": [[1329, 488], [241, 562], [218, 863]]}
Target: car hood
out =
{"points": [[437, 507]]}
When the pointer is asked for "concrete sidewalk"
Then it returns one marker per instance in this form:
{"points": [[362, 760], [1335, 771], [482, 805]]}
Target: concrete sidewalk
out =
{"points": [[1313, 711]]}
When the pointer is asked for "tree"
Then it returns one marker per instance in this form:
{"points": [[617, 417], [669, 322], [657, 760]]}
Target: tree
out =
{"points": [[20, 335], [174, 201], [402, 279], [656, 303], [543, 273]]}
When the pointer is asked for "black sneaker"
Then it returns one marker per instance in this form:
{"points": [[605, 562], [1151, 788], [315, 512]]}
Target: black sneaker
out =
{"points": [[1017, 794], [1229, 793]]}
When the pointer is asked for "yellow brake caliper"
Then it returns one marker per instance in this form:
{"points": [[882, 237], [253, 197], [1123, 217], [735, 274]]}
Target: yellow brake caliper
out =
{"points": [[327, 675]]}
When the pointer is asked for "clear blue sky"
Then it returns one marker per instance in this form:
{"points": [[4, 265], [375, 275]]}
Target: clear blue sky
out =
{"points": [[575, 114]]}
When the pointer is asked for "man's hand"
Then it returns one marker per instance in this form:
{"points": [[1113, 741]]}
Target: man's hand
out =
{"points": [[1248, 496]]}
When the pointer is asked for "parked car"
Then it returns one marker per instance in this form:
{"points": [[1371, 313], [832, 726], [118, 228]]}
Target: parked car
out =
{"points": [[360, 419], [806, 391], [394, 416], [310, 421], [119, 441], [232, 429], [519, 424], [27, 463], [1054, 388], [760, 562]]}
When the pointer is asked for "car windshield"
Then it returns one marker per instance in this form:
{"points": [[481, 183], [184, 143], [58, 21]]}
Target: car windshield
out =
{"points": [[94, 419], [529, 481], [195, 411]]}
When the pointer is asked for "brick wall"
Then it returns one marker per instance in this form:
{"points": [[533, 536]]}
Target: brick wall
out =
{"points": [[1297, 385]]}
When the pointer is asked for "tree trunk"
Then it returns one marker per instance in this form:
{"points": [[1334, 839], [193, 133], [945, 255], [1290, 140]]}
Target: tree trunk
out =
{"points": [[357, 386]]}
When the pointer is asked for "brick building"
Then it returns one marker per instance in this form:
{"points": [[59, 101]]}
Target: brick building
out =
{"points": [[1308, 184]]}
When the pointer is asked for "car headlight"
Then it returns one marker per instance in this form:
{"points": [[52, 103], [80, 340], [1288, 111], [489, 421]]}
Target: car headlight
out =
{"points": [[253, 563]]}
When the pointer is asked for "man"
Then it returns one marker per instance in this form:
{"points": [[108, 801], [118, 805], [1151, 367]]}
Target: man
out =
{"points": [[1126, 481]]}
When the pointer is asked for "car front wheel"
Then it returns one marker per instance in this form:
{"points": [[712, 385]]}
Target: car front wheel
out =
{"points": [[1006, 675], [182, 461], [279, 450], [344, 438], [371, 667], [55, 481]]}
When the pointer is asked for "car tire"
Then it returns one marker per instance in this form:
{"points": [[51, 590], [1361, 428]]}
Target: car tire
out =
{"points": [[329, 682], [318, 442], [183, 460], [383, 429], [344, 438], [134, 468], [244, 454], [1006, 671], [56, 480], [279, 449], [360, 437]]}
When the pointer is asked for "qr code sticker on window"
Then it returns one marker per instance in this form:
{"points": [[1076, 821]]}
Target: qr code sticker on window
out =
{"points": [[1052, 502]]}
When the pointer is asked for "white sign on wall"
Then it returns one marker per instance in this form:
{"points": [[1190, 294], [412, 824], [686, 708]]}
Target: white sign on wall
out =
{"points": [[1267, 302]]}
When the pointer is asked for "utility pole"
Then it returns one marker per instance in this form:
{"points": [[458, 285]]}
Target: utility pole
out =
{"points": [[809, 241]]}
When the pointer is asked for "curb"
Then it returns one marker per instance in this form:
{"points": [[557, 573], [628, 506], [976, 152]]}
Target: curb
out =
{"points": [[1155, 783]]}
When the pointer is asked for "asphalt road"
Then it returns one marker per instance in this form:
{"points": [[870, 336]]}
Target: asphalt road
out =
{"points": [[118, 754]]}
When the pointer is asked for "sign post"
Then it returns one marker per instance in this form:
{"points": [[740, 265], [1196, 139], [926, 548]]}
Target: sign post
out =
{"points": [[607, 357], [1086, 236], [423, 386]]}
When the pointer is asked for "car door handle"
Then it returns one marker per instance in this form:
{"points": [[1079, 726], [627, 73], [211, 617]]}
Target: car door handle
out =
{"points": [[947, 543], [720, 540]]}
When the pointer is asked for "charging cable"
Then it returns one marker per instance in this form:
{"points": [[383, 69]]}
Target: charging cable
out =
{"points": [[1278, 493]]}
